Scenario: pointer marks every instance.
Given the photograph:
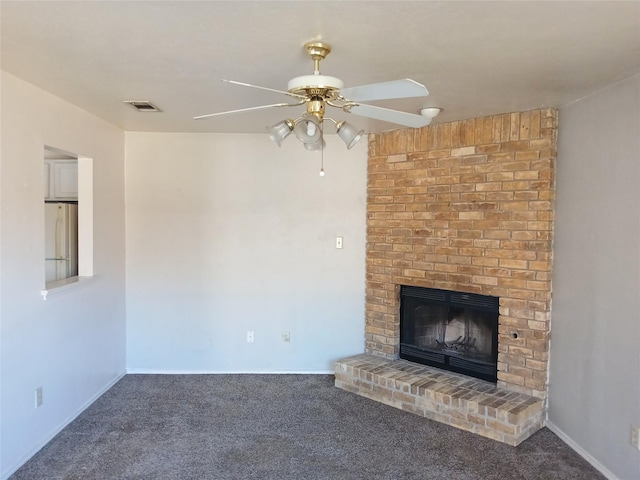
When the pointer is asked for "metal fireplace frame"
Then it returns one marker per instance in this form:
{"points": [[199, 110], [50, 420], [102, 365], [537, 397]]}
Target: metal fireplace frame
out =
{"points": [[484, 370]]}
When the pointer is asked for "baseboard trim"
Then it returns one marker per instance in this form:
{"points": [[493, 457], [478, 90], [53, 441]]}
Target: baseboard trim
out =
{"points": [[581, 451], [14, 468], [152, 371]]}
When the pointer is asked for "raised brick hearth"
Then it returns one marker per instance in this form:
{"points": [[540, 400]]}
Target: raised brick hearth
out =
{"points": [[457, 400], [464, 206]]}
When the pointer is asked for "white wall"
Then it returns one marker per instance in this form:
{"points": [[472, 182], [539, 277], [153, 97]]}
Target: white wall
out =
{"points": [[73, 344], [229, 233], [594, 391]]}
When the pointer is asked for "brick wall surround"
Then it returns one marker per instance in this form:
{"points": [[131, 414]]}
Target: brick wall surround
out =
{"points": [[466, 206]]}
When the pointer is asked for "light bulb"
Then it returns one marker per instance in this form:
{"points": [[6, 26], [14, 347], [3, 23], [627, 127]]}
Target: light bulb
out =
{"points": [[322, 172], [311, 129], [308, 129]]}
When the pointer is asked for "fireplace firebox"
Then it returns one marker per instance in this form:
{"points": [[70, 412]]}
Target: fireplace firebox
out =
{"points": [[450, 330]]}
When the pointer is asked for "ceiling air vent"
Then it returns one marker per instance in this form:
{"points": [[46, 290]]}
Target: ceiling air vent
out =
{"points": [[142, 105]]}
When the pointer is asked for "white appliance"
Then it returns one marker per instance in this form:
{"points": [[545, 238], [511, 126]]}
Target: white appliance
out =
{"points": [[61, 240]]}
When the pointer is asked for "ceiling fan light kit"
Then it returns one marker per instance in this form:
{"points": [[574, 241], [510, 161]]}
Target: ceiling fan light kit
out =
{"points": [[318, 91]]}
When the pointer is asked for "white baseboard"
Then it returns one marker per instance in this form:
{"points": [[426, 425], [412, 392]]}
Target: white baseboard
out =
{"points": [[11, 470], [581, 451], [151, 371]]}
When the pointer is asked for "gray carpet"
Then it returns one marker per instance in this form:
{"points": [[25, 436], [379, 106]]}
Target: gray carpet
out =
{"points": [[280, 427]]}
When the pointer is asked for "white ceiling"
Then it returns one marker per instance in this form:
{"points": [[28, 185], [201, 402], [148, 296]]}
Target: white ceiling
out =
{"points": [[476, 58]]}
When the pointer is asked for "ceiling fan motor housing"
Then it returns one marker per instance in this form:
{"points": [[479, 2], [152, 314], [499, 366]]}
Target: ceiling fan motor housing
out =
{"points": [[320, 85]]}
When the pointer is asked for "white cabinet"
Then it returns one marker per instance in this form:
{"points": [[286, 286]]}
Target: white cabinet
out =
{"points": [[47, 180], [61, 180]]}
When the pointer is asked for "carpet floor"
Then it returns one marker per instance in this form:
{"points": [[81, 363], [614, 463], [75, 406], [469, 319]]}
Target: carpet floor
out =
{"points": [[264, 427]]}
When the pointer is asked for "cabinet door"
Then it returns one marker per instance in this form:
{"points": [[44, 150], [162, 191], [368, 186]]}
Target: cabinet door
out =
{"points": [[65, 180], [47, 180]]}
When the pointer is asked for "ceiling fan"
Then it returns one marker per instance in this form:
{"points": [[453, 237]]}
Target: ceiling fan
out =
{"points": [[318, 91]]}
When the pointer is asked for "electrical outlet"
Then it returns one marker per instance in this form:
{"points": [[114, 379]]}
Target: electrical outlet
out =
{"points": [[635, 436], [250, 336], [338, 242], [286, 337], [38, 397]]}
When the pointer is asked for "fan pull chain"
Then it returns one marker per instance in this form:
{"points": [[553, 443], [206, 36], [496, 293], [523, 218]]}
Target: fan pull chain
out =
{"points": [[321, 151]]}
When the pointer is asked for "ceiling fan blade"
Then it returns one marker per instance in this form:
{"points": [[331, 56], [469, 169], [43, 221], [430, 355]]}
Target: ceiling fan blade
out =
{"points": [[392, 116], [261, 107], [242, 84], [381, 91]]}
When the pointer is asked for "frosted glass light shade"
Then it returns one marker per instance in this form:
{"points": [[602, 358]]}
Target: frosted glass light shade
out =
{"points": [[316, 147], [280, 131], [349, 134], [307, 129]]}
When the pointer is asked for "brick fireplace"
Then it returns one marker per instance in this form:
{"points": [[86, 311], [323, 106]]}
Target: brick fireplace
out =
{"points": [[465, 206]]}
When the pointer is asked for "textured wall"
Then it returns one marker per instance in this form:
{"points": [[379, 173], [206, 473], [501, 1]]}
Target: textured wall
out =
{"points": [[73, 344], [229, 233], [594, 390]]}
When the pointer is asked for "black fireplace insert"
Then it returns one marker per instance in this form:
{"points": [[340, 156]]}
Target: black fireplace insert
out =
{"points": [[451, 330]]}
